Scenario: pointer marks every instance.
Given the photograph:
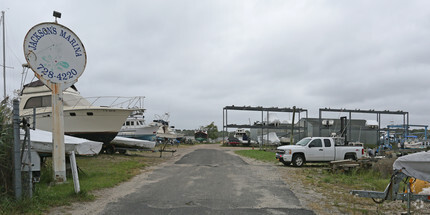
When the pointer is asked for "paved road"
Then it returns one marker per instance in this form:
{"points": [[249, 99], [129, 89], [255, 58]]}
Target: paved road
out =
{"points": [[210, 181]]}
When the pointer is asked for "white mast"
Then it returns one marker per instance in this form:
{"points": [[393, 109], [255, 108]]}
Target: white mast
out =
{"points": [[4, 57]]}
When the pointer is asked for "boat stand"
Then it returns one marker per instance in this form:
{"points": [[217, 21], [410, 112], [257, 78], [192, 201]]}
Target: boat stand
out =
{"points": [[163, 148]]}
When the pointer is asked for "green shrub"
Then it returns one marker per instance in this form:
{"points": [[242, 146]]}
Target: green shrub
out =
{"points": [[384, 167], [6, 140]]}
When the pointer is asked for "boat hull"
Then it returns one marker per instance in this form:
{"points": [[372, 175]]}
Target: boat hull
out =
{"points": [[131, 143], [149, 137], [146, 132], [200, 136], [96, 123]]}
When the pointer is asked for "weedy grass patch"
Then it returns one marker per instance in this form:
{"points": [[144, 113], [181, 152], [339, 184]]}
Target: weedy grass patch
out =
{"points": [[336, 187], [102, 171], [266, 156], [356, 179]]}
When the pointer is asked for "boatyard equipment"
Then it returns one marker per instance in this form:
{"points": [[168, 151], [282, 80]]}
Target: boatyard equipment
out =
{"points": [[413, 165]]}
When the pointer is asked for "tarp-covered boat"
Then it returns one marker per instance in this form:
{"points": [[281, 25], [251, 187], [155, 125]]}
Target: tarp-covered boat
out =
{"points": [[415, 165], [41, 141], [272, 139]]}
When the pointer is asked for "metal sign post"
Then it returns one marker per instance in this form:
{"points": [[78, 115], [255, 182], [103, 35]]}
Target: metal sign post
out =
{"points": [[58, 58], [16, 155]]}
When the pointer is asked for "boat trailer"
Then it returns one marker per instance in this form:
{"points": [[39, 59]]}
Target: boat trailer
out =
{"points": [[410, 166], [392, 191]]}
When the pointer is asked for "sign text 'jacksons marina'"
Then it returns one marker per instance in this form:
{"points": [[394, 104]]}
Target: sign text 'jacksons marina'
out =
{"points": [[54, 52]]}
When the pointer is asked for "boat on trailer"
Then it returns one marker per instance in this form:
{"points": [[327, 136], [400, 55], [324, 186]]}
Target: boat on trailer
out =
{"points": [[413, 167], [201, 134]]}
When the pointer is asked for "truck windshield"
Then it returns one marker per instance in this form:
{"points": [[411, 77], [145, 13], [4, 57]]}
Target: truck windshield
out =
{"points": [[303, 142]]}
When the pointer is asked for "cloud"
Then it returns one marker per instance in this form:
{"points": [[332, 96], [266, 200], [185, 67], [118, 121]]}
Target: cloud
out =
{"points": [[192, 58]]}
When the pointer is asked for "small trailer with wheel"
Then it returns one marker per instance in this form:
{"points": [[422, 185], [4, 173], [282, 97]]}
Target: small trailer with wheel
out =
{"points": [[415, 166]]}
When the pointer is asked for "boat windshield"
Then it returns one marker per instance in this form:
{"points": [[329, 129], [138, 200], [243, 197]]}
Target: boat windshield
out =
{"points": [[303, 142], [72, 100]]}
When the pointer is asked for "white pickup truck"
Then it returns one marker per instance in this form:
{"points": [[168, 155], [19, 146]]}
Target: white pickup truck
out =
{"points": [[317, 149]]}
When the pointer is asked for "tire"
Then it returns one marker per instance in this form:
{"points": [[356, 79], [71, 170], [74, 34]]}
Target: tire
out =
{"points": [[285, 163], [298, 160], [350, 156], [110, 149], [122, 151]]}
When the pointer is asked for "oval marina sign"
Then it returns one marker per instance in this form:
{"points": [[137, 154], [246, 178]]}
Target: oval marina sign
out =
{"points": [[55, 53]]}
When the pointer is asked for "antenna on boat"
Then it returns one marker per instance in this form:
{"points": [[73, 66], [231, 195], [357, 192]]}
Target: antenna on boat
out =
{"points": [[25, 68]]}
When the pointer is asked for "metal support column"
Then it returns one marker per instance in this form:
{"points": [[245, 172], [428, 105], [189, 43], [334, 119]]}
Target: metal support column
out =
{"points": [[306, 125], [350, 127], [378, 119], [267, 129], [300, 132], [319, 124], [223, 125], [407, 118], [262, 128], [29, 162], [292, 125]]}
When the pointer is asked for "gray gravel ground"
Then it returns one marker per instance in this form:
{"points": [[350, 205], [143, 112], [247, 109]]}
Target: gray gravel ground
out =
{"points": [[203, 179]]}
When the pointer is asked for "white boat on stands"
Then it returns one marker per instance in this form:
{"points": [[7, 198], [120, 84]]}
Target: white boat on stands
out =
{"points": [[135, 127], [81, 117], [165, 130], [242, 136], [41, 142], [122, 144], [132, 143], [413, 142]]}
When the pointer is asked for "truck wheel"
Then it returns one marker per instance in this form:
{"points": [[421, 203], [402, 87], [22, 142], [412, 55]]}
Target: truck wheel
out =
{"points": [[298, 160], [350, 156], [285, 163]]}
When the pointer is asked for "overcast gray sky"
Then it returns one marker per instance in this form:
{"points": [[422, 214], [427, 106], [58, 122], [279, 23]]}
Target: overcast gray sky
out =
{"points": [[192, 58]]}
